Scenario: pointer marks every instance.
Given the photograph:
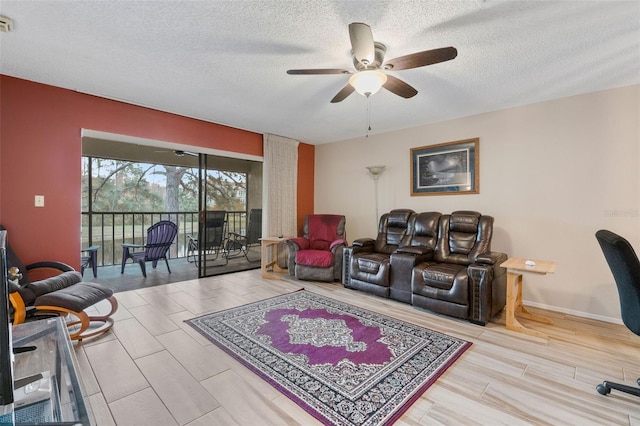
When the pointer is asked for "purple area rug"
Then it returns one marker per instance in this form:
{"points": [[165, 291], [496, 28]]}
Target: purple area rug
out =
{"points": [[343, 364]]}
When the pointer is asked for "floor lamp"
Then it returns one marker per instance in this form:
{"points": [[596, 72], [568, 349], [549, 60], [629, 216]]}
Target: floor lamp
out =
{"points": [[376, 171]]}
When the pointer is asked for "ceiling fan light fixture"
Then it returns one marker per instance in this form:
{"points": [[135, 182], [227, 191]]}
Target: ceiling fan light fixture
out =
{"points": [[368, 82]]}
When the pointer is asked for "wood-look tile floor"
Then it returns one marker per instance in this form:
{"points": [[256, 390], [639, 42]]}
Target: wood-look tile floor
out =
{"points": [[153, 369]]}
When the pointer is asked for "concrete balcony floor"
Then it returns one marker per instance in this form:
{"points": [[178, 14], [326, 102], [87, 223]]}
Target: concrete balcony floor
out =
{"points": [[181, 270]]}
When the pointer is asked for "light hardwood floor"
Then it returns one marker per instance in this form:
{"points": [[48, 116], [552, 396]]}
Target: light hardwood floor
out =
{"points": [[153, 369]]}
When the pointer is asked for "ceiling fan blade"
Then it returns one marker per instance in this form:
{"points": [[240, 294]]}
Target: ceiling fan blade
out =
{"points": [[362, 43], [399, 87], [320, 71], [342, 94], [181, 153], [421, 59]]}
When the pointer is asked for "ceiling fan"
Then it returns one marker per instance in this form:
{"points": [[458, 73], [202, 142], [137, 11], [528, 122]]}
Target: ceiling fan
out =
{"points": [[368, 59], [177, 152]]}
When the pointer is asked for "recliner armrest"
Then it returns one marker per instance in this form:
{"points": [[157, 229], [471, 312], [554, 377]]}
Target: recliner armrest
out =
{"points": [[402, 264], [480, 293], [294, 245], [336, 243], [491, 258], [298, 243], [416, 251], [364, 242], [48, 264]]}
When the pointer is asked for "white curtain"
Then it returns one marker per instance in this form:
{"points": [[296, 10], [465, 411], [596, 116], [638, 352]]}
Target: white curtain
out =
{"points": [[279, 200]]}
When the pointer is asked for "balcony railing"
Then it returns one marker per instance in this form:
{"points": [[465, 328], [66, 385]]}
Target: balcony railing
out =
{"points": [[110, 229]]}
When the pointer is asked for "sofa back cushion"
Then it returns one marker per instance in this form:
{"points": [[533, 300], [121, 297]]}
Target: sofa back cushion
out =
{"points": [[462, 236], [323, 229], [393, 230], [424, 230], [463, 228]]}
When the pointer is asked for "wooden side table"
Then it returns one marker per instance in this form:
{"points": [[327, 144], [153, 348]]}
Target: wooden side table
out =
{"points": [[516, 266], [273, 261]]}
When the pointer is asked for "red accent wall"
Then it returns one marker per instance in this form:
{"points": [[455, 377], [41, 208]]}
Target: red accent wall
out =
{"points": [[306, 171], [40, 154]]}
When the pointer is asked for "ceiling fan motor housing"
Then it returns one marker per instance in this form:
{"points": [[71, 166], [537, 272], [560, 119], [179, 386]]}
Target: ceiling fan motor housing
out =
{"points": [[379, 51]]}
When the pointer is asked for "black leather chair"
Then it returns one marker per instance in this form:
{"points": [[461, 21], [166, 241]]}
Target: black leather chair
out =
{"points": [[625, 267], [368, 261], [464, 279]]}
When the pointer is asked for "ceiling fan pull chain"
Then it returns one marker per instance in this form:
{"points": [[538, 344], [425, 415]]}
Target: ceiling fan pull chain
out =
{"points": [[368, 115]]}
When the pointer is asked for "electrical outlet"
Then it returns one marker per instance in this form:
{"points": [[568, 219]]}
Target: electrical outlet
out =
{"points": [[39, 202]]}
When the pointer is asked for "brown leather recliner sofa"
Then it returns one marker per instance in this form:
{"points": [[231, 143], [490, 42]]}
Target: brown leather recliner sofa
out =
{"points": [[443, 263]]}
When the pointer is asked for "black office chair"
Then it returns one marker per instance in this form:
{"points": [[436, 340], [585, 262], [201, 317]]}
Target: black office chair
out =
{"points": [[625, 267]]}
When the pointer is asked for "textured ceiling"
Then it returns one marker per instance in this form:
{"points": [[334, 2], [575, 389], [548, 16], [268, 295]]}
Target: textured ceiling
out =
{"points": [[226, 61]]}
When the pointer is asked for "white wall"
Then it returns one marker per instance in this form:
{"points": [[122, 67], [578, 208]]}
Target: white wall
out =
{"points": [[551, 174]]}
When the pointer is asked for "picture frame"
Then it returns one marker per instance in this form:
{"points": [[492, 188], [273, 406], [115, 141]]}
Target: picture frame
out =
{"points": [[446, 169]]}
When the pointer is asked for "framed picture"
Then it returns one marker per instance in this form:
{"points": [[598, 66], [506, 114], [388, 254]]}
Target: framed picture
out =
{"points": [[446, 168]]}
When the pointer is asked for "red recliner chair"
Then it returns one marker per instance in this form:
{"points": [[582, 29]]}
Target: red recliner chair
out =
{"points": [[317, 256]]}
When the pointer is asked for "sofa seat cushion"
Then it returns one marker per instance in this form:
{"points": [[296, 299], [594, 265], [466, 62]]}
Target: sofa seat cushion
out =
{"points": [[371, 263], [373, 268], [441, 281], [441, 275], [317, 258]]}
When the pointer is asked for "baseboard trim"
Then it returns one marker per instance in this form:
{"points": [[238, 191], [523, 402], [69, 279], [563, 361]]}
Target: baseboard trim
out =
{"points": [[572, 312]]}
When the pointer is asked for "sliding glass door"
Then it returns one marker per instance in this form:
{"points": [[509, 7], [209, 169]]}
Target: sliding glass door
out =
{"points": [[229, 190], [127, 188]]}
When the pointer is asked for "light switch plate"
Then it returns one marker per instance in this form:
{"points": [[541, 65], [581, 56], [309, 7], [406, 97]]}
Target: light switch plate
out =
{"points": [[39, 201]]}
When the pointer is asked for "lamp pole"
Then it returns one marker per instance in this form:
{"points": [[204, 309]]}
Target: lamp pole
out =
{"points": [[376, 171]]}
